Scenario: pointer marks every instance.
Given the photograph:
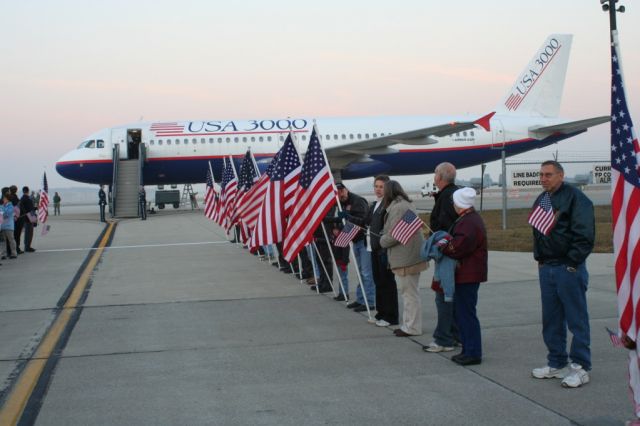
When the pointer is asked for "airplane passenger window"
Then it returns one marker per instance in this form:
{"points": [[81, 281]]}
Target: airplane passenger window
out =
{"points": [[366, 135], [344, 136], [100, 143], [253, 139], [219, 140], [328, 137], [335, 137], [359, 136], [168, 141], [281, 138], [194, 141], [210, 140], [160, 142], [471, 133], [151, 142], [464, 134], [304, 137], [177, 141], [375, 135], [202, 140], [236, 139], [244, 139], [260, 139], [186, 141], [268, 138], [351, 136], [228, 140]]}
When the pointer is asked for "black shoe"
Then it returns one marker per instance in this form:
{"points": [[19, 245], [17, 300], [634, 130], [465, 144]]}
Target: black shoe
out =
{"points": [[285, 270], [363, 308], [320, 289], [456, 356], [353, 305], [340, 298], [19, 251], [274, 264], [467, 360], [13, 257], [30, 250], [400, 333]]}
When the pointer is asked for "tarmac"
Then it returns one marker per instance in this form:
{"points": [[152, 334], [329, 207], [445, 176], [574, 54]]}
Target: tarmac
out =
{"points": [[178, 326]]}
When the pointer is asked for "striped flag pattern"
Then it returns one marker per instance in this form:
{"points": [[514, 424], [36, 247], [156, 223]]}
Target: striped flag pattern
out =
{"points": [[211, 204], [315, 195], [228, 194], [625, 204], [542, 218], [283, 174], [406, 227], [346, 235], [43, 212]]}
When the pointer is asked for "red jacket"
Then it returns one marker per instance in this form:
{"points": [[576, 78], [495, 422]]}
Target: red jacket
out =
{"points": [[469, 247]]}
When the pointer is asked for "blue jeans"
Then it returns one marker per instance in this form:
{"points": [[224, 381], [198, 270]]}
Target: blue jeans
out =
{"points": [[364, 262], [465, 302], [564, 304], [446, 332]]}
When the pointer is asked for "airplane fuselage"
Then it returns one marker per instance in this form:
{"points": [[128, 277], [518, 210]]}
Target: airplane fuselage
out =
{"points": [[179, 152]]}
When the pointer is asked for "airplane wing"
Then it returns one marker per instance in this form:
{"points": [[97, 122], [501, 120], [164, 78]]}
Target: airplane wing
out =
{"points": [[355, 151], [569, 127]]}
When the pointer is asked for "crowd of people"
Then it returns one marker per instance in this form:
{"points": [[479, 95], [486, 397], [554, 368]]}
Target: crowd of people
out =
{"points": [[455, 241], [18, 220]]}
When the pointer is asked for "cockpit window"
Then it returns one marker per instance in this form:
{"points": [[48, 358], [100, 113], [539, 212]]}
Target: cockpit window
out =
{"points": [[99, 143], [87, 144]]}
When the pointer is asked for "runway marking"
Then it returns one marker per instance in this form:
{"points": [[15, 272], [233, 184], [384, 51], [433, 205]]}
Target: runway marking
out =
{"points": [[135, 246], [32, 375]]}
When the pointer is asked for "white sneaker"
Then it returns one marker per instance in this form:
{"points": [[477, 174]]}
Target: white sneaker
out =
{"points": [[434, 348], [577, 377], [547, 372], [383, 323]]}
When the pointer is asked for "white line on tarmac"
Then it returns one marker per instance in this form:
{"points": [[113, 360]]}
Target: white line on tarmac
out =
{"points": [[137, 246]]}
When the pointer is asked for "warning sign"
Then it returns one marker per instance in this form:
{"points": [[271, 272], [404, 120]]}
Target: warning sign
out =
{"points": [[601, 173], [529, 178]]}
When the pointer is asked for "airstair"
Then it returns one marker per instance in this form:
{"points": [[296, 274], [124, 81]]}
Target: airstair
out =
{"points": [[127, 178]]}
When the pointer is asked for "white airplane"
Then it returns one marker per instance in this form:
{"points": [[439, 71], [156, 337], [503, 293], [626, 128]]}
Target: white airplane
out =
{"points": [[179, 151]]}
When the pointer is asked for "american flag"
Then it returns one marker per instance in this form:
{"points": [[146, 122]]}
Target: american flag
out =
{"points": [[346, 235], [625, 206], [406, 227], [542, 218], [625, 203], [211, 204], [247, 177], [43, 212], [315, 195], [283, 174], [228, 192], [616, 341]]}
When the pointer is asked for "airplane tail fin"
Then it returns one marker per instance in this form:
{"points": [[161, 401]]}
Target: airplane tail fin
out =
{"points": [[538, 88]]}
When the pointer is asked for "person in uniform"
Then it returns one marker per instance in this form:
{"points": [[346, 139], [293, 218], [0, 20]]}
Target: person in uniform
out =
{"points": [[102, 202]]}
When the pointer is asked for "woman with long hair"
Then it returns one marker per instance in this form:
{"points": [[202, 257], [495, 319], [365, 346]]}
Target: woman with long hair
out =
{"points": [[404, 259]]}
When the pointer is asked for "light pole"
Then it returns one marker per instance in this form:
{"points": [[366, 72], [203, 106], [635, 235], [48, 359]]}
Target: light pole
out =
{"points": [[610, 6]]}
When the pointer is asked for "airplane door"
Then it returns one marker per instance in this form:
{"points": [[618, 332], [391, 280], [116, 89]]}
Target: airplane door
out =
{"points": [[119, 137], [497, 133]]}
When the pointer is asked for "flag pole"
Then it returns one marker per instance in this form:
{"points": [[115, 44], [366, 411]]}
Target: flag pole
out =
{"points": [[351, 250]]}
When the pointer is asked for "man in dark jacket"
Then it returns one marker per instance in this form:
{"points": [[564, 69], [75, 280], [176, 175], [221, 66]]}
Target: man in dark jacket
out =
{"points": [[355, 209], [443, 215], [563, 236], [27, 210], [102, 201], [383, 277]]}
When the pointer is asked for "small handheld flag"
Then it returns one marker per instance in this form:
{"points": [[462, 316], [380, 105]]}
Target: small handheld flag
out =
{"points": [[542, 218], [406, 227], [346, 235]]}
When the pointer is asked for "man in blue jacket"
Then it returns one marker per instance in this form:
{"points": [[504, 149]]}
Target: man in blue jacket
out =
{"points": [[563, 236]]}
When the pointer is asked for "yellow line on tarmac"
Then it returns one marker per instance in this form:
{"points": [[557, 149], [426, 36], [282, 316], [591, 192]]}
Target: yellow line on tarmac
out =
{"points": [[16, 402]]}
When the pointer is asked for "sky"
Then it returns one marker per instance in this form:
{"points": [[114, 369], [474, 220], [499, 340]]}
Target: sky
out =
{"points": [[69, 68]]}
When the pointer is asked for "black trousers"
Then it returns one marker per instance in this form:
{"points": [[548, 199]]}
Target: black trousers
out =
{"points": [[102, 218], [386, 288], [325, 257]]}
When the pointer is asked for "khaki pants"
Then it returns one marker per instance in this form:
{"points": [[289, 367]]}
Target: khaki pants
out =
{"points": [[412, 313], [7, 235]]}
